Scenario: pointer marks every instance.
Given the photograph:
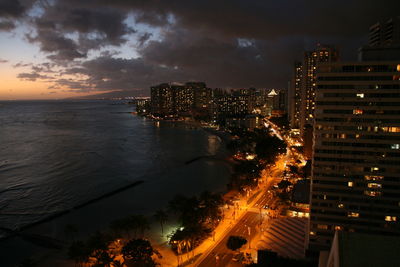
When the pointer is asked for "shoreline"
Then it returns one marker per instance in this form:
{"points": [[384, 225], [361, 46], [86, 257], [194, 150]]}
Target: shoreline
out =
{"points": [[93, 214], [64, 212]]}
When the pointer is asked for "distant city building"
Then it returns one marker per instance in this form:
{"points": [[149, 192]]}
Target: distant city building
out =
{"points": [[176, 99], [356, 159], [386, 33], [312, 59], [162, 100], [294, 96], [143, 105], [230, 104], [249, 122], [242, 108], [384, 41]]}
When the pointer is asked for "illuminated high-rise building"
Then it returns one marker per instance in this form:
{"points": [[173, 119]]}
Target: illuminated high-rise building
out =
{"points": [[312, 59], [177, 99], [294, 96], [162, 100], [356, 159]]}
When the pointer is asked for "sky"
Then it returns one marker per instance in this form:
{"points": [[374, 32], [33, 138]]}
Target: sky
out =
{"points": [[52, 49]]}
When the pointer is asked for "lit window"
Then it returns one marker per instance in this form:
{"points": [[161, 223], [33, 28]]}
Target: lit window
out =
{"points": [[390, 218], [338, 228], [312, 233], [398, 67], [353, 214], [357, 111], [372, 193], [395, 146], [340, 205], [374, 169], [322, 226], [373, 177], [350, 184], [394, 129], [374, 185], [360, 95]]}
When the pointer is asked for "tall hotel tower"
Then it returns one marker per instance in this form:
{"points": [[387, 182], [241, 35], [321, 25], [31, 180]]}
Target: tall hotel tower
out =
{"points": [[356, 154]]}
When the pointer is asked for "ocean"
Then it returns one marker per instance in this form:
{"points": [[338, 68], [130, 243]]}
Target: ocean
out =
{"points": [[57, 155]]}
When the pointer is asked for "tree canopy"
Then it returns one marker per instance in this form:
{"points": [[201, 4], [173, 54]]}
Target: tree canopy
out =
{"points": [[235, 242], [139, 252]]}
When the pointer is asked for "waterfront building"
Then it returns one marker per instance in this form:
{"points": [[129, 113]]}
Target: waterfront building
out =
{"points": [[202, 99], [356, 158], [183, 100], [178, 99], [162, 100], [143, 105]]}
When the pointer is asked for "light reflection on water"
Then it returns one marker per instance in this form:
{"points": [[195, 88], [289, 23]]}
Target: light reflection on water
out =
{"points": [[55, 155]]}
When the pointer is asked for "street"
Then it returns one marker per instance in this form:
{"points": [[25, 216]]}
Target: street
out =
{"points": [[247, 226]]}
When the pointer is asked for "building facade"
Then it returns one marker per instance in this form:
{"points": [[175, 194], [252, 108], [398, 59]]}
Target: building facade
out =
{"points": [[162, 100], [384, 41], [356, 157], [312, 59], [294, 96], [176, 99]]}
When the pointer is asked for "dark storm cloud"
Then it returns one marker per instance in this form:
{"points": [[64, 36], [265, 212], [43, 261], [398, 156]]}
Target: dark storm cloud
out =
{"points": [[261, 19], [143, 38], [33, 76], [11, 8], [70, 31], [107, 73], [237, 43], [60, 47], [6, 25], [22, 64]]}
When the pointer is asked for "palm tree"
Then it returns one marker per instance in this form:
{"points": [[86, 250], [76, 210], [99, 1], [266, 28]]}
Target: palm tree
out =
{"points": [[70, 230], [78, 252], [117, 263], [161, 217], [210, 204], [98, 244], [139, 251], [28, 262]]}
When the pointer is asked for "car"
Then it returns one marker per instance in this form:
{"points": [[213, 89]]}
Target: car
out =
{"points": [[238, 257], [266, 207]]}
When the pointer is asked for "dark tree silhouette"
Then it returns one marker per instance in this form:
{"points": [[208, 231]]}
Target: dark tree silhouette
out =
{"points": [[28, 262], [139, 252], [161, 216], [235, 242], [79, 252], [284, 184], [70, 231], [97, 244]]}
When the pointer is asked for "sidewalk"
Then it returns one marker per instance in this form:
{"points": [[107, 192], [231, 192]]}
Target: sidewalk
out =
{"points": [[231, 216]]}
